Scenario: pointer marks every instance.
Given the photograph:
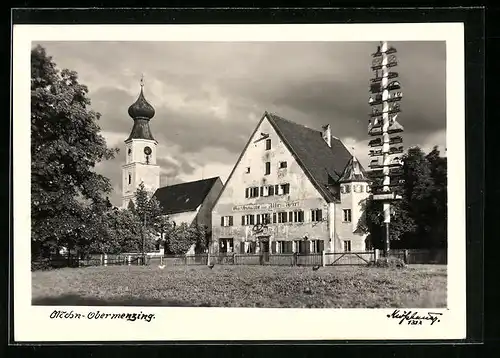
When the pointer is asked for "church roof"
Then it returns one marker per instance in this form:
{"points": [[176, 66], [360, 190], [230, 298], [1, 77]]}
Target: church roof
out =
{"points": [[323, 164], [184, 197], [353, 171]]}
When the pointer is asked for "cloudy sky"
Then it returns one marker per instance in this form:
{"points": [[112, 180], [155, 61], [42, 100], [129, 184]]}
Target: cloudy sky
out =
{"points": [[210, 96]]}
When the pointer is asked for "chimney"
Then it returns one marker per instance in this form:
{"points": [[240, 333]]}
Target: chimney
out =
{"points": [[327, 135]]}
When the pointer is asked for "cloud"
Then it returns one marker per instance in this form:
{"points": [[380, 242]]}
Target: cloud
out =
{"points": [[209, 96]]}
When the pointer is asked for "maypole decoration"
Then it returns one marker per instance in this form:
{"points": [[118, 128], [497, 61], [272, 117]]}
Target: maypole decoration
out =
{"points": [[386, 166]]}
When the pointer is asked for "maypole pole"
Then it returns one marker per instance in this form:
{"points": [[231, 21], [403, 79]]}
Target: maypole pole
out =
{"points": [[382, 124]]}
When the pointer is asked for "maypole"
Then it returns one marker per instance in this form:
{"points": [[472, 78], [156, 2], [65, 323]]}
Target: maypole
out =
{"points": [[384, 100]]}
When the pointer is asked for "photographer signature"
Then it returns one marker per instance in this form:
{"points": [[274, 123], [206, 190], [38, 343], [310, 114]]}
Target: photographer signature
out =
{"points": [[414, 318]]}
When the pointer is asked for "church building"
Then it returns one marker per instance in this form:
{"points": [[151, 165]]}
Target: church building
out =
{"points": [[190, 202], [293, 189]]}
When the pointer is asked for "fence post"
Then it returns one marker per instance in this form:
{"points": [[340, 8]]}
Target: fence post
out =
{"points": [[323, 257], [105, 259]]}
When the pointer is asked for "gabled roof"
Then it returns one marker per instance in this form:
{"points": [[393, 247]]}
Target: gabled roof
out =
{"points": [[184, 197], [353, 172], [323, 164]]}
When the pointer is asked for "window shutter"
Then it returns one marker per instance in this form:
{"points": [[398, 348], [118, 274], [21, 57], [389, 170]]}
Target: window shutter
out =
{"points": [[258, 218], [290, 216], [242, 247], [307, 247], [276, 189], [222, 221], [320, 215], [273, 247], [274, 218], [230, 221], [252, 220], [271, 190], [321, 245], [243, 220], [301, 215], [246, 193], [261, 191]]}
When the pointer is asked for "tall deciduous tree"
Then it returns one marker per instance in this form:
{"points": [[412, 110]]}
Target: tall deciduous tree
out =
{"points": [[419, 219], [66, 144]]}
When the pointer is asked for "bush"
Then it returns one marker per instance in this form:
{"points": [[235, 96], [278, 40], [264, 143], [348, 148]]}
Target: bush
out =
{"points": [[41, 265], [392, 262]]}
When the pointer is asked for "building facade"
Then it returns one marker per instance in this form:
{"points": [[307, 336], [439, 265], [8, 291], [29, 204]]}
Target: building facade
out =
{"points": [[288, 193]]}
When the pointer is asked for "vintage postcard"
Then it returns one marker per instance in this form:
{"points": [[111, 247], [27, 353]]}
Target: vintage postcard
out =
{"points": [[239, 182]]}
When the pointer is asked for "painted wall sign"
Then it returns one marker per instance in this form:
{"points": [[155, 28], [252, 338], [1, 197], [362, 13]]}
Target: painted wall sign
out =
{"points": [[266, 206]]}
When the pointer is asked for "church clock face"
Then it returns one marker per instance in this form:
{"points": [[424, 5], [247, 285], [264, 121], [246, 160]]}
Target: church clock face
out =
{"points": [[147, 151]]}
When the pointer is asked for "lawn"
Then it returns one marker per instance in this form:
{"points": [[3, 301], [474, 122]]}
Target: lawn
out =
{"points": [[418, 286]]}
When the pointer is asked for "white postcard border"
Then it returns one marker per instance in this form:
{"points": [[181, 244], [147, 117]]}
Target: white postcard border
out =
{"points": [[32, 323]]}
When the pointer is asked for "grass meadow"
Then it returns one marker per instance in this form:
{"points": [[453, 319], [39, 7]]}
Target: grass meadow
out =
{"points": [[417, 286]]}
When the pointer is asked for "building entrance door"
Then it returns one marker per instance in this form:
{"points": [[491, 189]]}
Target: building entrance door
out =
{"points": [[264, 250]]}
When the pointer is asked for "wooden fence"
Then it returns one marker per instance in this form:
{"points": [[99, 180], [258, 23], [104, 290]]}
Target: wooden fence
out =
{"points": [[295, 259]]}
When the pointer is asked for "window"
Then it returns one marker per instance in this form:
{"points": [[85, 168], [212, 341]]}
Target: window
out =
{"points": [[248, 219], [282, 189], [247, 170], [225, 245], [274, 218], [317, 215], [271, 190], [282, 217], [282, 247], [298, 216], [347, 215], [347, 189], [368, 189], [268, 168], [266, 218], [252, 192], [347, 245], [248, 247], [283, 165], [317, 246], [268, 144], [226, 221], [129, 179], [358, 188]]}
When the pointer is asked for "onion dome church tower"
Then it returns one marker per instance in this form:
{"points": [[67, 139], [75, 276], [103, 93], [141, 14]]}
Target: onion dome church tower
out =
{"points": [[140, 151]]}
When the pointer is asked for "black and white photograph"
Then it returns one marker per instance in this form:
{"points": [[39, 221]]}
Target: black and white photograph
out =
{"points": [[220, 175]]}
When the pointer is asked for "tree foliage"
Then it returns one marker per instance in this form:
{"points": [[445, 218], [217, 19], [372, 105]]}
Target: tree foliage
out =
{"points": [[66, 144], [182, 237], [419, 220]]}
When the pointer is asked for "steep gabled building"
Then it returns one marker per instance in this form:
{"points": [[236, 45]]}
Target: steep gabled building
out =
{"points": [[285, 193]]}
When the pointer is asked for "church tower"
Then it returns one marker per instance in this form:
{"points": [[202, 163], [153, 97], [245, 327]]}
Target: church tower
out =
{"points": [[140, 151]]}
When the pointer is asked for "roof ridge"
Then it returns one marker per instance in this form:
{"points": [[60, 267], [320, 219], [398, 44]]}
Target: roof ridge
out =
{"points": [[189, 182], [290, 121]]}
